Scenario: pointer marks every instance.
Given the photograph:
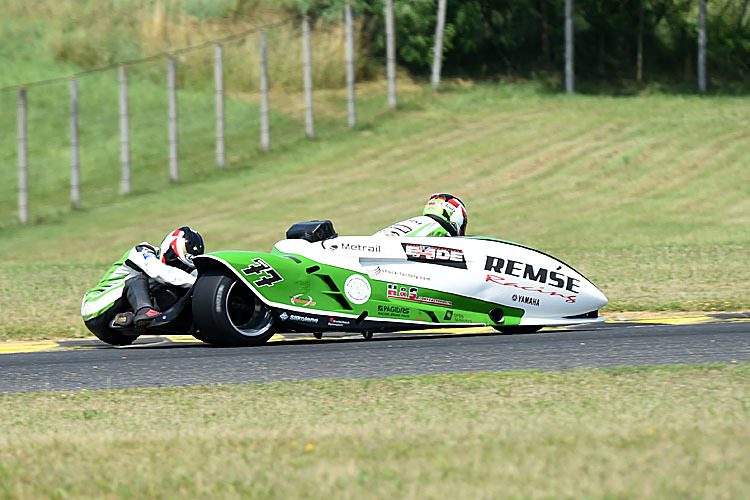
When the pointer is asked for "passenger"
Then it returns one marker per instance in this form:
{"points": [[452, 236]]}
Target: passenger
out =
{"points": [[124, 293], [444, 215]]}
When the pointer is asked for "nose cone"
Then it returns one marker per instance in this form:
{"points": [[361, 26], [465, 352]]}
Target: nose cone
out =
{"points": [[599, 299], [590, 298]]}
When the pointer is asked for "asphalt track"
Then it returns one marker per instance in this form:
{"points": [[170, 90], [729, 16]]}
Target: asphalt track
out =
{"points": [[183, 361]]}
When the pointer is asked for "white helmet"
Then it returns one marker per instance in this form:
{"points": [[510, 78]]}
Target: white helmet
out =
{"points": [[450, 209], [180, 246]]}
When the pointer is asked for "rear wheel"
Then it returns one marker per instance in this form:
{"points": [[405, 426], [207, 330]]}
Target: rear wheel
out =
{"points": [[517, 330], [227, 313]]}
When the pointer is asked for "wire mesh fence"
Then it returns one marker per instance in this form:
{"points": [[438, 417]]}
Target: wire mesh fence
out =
{"points": [[140, 125]]}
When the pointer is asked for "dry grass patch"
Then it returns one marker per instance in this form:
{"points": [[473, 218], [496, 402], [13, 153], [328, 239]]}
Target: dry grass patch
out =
{"points": [[660, 432]]}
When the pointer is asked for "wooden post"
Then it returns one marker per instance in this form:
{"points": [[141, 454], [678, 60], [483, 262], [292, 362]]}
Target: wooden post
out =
{"points": [[23, 166], [390, 53], [569, 46], [219, 84], [307, 74], [265, 136], [350, 99], [437, 54], [172, 89], [124, 131], [702, 46], [75, 165]]}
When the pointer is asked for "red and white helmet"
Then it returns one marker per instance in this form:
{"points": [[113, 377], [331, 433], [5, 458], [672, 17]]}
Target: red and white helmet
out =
{"points": [[450, 209], [180, 246]]}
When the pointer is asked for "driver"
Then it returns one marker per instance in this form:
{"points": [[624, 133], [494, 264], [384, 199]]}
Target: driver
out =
{"points": [[128, 283], [444, 215]]}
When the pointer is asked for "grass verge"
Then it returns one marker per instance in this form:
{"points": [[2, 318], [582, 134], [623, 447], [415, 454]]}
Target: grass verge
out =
{"points": [[647, 196], [655, 432]]}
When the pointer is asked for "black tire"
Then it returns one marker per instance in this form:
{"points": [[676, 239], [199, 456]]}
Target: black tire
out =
{"points": [[227, 313], [517, 330], [115, 338], [99, 326]]}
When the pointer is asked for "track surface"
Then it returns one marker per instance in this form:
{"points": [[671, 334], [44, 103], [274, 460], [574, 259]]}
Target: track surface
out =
{"points": [[156, 361]]}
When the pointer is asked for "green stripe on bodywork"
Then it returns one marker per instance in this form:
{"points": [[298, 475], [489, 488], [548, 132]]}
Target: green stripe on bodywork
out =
{"points": [[324, 285]]}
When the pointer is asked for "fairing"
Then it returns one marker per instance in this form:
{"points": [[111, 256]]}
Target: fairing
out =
{"points": [[367, 282]]}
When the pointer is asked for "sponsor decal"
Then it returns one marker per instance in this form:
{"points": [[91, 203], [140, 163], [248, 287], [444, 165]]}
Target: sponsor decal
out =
{"points": [[456, 317], [298, 318], [533, 301], [269, 276], [499, 280], [390, 272], [412, 294], [394, 311], [303, 319], [302, 300], [401, 228], [355, 247], [527, 271], [338, 322], [435, 255], [357, 289]]}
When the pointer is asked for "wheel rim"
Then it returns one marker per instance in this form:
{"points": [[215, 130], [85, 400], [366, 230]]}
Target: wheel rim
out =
{"points": [[245, 312]]}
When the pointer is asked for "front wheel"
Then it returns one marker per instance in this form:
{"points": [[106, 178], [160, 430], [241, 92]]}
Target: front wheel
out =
{"points": [[227, 313]]}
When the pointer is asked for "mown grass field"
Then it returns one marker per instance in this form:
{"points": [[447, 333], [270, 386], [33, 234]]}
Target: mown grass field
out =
{"points": [[647, 196], [661, 432]]}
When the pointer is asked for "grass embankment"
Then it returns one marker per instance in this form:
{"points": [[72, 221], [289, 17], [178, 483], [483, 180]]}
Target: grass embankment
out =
{"points": [[647, 196], [679, 432]]}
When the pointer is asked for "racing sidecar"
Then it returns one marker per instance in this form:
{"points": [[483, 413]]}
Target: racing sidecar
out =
{"points": [[318, 281]]}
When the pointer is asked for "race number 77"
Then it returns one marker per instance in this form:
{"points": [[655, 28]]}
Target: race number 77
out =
{"points": [[269, 276]]}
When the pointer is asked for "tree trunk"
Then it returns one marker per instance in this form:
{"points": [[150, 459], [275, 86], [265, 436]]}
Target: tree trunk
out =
{"points": [[702, 46], [546, 52], [639, 55]]}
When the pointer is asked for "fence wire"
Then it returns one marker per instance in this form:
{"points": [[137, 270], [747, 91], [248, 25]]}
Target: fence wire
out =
{"points": [[99, 117]]}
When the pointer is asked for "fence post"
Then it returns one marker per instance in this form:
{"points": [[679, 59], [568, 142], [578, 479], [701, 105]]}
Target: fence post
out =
{"points": [[75, 165], [390, 53], [307, 73], [702, 46], [569, 46], [437, 55], [23, 167], [265, 136], [122, 75], [172, 88], [219, 84], [350, 102]]}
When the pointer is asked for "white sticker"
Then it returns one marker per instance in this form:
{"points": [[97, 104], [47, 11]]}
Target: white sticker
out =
{"points": [[357, 289]]}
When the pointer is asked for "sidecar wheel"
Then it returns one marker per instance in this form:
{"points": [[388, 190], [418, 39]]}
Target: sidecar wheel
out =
{"points": [[115, 338], [517, 330], [227, 312]]}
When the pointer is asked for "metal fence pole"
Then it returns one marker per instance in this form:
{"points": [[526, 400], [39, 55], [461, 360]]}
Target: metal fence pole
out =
{"points": [[75, 165], [219, 83], [390, 53], [569, 46], [122, 74], [350, 99], [307, 73], [265, 136], [23, 167], [172, 88], [702, 46], [437, 55]]}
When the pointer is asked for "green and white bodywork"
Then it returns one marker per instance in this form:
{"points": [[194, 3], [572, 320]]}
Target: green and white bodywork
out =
{"points": [[378, 283]]}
